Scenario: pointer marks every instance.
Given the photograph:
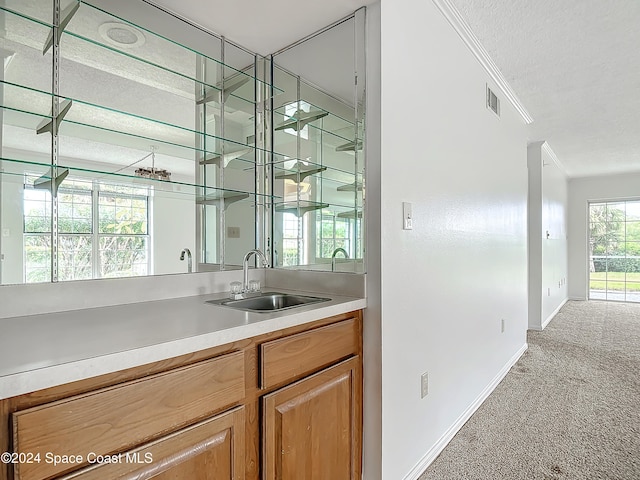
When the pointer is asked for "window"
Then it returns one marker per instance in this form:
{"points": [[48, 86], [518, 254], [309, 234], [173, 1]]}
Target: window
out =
{"points": [[37, 235], [614, 251], [291, 239], [102, 231], [334, 232]]}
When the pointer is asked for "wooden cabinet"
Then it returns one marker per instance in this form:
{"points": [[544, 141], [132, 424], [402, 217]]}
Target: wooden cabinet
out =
{"points": [[286, 405], [312, 427], [206, 451]]}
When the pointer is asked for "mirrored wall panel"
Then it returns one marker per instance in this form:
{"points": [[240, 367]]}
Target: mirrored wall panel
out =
{"points": [[134, 143], [318, 150], [128, 143]]}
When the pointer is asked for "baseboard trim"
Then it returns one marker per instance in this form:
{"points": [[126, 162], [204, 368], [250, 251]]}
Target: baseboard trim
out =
{"points": [[578, 299], [553, 314], [437, 448]]}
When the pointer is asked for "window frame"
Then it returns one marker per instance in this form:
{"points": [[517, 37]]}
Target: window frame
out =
{"points": [[96, 190]]}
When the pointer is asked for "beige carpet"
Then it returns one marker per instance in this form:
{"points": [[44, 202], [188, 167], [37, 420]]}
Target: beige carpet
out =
{"points": [[569, 409]]}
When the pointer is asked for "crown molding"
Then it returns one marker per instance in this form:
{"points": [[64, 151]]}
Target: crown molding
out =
{"points": [[462, 28], [546, 148]]}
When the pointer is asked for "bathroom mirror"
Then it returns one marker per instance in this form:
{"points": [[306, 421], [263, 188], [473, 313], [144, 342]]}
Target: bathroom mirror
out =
{"points": [[142, 150], [318, 144]]}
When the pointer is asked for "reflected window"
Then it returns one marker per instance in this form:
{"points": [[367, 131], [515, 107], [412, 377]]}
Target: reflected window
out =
{"points": [[103, 231], [291, 239], [333, 232]]}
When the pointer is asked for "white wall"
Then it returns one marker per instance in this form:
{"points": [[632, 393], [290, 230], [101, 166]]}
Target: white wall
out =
{"points": [[241, 215], [11, 232], [554, 248], [446, 284], [372, 328], [534, 246], [548, 264], [174, 226], [581, 192]]}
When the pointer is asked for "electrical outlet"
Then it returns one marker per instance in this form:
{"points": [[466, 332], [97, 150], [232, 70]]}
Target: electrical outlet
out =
{"points": [[502, 325], [233, 232], [424, 385]]}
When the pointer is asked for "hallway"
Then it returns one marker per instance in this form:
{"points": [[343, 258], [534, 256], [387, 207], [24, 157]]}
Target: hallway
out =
{"points": [[567, 410]]}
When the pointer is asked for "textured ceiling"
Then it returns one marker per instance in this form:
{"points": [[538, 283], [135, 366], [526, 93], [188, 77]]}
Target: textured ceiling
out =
{"points": [[575, 66]]}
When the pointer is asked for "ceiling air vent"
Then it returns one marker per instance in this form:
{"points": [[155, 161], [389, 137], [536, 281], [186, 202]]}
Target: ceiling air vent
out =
{"points": [[493, 102]]}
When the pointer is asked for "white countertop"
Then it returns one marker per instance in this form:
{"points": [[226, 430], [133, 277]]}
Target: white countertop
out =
{"points": [[40, 351]]}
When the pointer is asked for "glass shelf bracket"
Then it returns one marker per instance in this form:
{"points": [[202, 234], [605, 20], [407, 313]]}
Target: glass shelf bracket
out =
{"points": [[47, 124], [226, 158], [299, 175], [67, 14], [51, 180], [300, 119]]}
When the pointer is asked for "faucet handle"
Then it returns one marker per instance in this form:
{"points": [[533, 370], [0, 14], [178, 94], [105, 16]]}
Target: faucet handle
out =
{"points": [[254, 285]]}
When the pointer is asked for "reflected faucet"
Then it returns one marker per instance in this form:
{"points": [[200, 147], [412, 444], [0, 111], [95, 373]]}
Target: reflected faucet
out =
{"points": [[333, 257], [189, 262], [245, 266]]}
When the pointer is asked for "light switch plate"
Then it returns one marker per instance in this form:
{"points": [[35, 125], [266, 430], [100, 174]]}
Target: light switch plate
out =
{"points": [[407, 216], [424, 384]]}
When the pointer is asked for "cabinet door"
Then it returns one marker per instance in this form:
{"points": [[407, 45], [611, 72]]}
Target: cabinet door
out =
{"points": [[313, 428], [210, 450]]}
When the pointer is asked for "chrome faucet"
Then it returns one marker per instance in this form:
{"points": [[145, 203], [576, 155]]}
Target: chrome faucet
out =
{"points": [[333, 257], [189, 262], [245, 267]]}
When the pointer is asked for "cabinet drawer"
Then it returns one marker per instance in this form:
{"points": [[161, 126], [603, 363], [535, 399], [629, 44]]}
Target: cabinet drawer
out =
{"points": [[117, 418], [292, 357]]}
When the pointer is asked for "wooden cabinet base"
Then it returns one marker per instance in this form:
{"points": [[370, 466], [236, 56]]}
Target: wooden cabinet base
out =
{"points": [[312, 427], [286, 405]]}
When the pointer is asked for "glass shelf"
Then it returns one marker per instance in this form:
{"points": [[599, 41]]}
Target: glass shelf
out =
{"points": [[225, 160], [175, 61], [298, 172], [283, 165], [158, 51], [40, 11], [320, 190], [222, 201], [317, 119], [14, 170], [352, 187], [22, 42], [350, 214], [299, 208], [139, 130]]}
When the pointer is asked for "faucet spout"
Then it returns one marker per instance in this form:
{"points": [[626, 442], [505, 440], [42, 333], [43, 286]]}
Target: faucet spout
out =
{"points": [[245, 266], [189, 260], [333, 257]]}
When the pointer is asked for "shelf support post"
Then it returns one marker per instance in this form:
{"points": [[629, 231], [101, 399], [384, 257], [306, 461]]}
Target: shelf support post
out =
{"points": [[56, 32]]}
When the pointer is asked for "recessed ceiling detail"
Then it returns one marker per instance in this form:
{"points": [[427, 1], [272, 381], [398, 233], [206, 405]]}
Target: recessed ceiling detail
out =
{"points": [[121, 35]]}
